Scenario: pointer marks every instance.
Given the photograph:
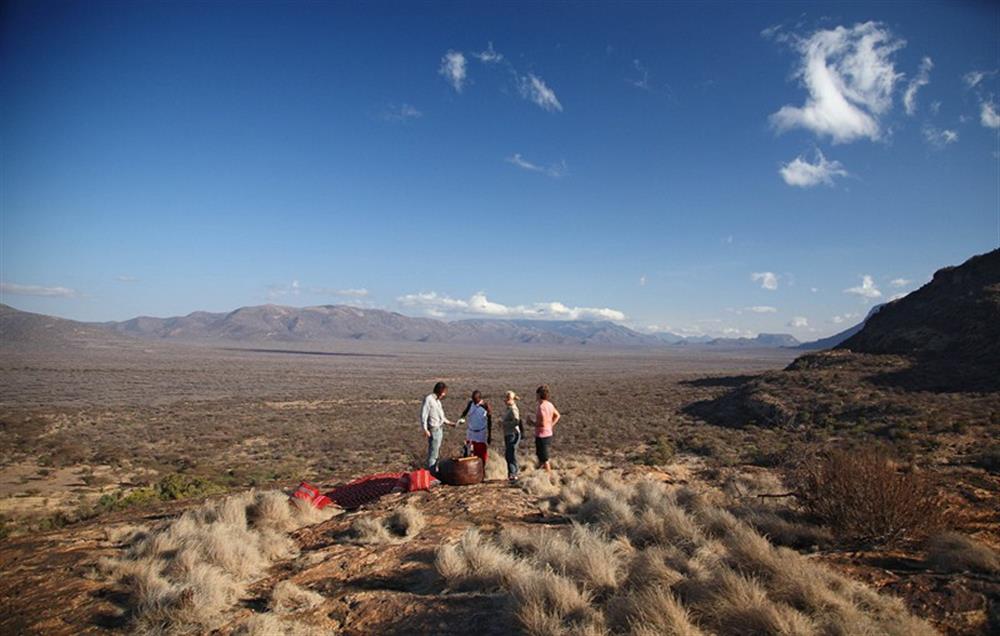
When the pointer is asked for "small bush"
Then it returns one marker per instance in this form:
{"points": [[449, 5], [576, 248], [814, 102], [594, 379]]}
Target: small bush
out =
{"points": [[659, 453], [863, 496], [953, 552]]}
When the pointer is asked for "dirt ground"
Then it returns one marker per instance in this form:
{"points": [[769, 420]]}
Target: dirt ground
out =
{"points": [[76, 425]]}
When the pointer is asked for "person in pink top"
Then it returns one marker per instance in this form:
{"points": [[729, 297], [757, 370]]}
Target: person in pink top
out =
{"points": [[546, 417]]}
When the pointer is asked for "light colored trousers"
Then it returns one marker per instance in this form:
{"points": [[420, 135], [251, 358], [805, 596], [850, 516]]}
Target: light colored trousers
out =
{"points": [[434, 446]]}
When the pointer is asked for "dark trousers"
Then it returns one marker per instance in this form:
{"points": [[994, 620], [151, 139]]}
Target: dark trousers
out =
{"points": [[510, 453]]}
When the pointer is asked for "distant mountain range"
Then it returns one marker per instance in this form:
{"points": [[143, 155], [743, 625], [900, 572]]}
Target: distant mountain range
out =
{"points": [[275, 323], [832, 341]]}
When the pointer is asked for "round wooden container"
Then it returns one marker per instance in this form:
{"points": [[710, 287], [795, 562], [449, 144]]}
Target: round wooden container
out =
{"points": [[461, 471]]}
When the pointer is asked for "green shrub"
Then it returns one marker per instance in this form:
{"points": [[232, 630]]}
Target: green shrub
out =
{"points": [[660, 452]]}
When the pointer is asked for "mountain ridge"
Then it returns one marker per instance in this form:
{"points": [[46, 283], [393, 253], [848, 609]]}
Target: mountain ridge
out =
{"points": [[321, 323]]}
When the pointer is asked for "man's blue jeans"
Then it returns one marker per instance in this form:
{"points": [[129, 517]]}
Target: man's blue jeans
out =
{"points": [[434, 447]]}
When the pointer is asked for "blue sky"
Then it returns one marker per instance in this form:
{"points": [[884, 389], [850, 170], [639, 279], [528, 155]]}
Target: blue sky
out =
{"points": [[635, 162]]}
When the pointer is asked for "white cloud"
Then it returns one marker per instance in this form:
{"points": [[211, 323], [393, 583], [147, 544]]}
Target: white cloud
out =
{"points": [[844, 317], [37, 290], [798, 322], [126, 279], [898, 296], [642, 81], [762, 309], [359, 292], [939, 137], [534, 88], [295, 288], [923, 78], [642, 281], [850, 76], [489, 56], [988, 115], [900, 282], [478, 305], [401, 113], [555, 170], [814, 289], [453, 69], [768, 280], [974, 78], [867, 289], [802, 174]]}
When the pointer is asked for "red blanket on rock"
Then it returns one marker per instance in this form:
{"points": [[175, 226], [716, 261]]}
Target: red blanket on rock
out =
{"points": [[366, 489]]}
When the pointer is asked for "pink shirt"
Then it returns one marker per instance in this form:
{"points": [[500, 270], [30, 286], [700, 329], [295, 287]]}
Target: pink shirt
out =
{"points": [[545, 418]]}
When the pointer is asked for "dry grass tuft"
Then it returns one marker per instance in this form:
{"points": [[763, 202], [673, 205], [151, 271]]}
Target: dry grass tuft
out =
{"points": [[954, 552], [407, 521], [186, 575], [402, 525], [649, 559], [287, 597]]}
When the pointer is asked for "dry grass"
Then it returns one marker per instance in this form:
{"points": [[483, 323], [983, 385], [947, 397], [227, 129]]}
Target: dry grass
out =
{"points": [[954, 552], [287, 597], [643, 558], [400, 526], [185, 576]]}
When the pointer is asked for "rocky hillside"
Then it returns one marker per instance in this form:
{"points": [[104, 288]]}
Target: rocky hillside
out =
{"points": [[956, 315]]}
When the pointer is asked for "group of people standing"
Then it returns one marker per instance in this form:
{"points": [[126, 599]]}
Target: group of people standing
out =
{"points": [[478, 420]]}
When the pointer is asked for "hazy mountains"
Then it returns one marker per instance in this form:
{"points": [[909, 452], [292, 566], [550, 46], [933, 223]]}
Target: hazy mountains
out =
{"points": [[275, 323]]}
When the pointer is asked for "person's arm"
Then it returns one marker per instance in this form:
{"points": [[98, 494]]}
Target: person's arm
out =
{"points": [[516, 413], [466, 411], [425, 413], [555, 416], [489, 423]]}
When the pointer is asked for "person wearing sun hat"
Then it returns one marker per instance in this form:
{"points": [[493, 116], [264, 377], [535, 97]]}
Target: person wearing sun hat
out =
{"points": [[511, 433]]}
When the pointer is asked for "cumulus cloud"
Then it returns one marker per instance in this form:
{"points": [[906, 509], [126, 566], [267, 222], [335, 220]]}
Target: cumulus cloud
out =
{"points": [[802, 174], [866, 289], [767, 280], [403, 112], [939, 137], [37, 290], [762, 309], [849, 75], [798, 322], [922, 78], [555, 170], [478, 304], [453, 69], [988, 115], [535, 89], [489, 56], [844, 317], [900, 282]]}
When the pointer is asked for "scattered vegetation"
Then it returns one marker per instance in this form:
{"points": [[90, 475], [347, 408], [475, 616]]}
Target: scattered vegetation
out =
{"points": [[862, 495], [186, 575], [401, 525], [643, 558], [954, 552], [287, 597]]}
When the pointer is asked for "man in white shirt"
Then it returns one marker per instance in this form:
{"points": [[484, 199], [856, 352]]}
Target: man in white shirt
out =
{"points": [[432, 418]]}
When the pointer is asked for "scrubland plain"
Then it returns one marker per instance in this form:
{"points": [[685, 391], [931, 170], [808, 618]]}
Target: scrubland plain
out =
{"points": [[672, 509]]}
